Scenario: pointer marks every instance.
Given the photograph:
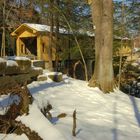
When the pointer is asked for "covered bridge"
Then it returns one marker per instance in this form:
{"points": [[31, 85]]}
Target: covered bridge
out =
{"points": [[32, 40]]}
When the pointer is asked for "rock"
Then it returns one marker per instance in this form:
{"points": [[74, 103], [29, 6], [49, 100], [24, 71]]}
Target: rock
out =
{"points": [[23, 63], [20, 71], [34, 72], [42, 78], [21, 79], [7, 82], [2, 66], [55, 76], [28, 77], [38, 63], [12, 68]]}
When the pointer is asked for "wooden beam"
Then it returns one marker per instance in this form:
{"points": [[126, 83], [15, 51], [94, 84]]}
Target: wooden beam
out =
{"points": [[39, 48], [18, 46]]}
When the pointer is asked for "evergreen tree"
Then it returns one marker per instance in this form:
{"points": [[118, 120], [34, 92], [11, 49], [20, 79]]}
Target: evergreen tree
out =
{"points": [[131, 17]]}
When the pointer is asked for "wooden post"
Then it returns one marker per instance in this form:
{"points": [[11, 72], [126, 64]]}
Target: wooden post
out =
{"points": [[74, 123], [18, 46], [39, 50]]}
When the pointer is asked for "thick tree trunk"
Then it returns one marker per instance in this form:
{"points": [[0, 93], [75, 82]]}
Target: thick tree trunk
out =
{"points": [[102, 11]]}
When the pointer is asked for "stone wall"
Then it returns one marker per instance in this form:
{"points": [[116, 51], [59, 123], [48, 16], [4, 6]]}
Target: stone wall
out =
{"points": [[17, 70]]}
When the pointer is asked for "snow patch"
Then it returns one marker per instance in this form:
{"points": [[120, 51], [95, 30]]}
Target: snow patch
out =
{"points": [[44, 28], [13, 137], [11, 63], [18, 58], [2, 60]]}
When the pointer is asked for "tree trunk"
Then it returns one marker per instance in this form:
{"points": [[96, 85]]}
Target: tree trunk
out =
{"points": [[3, 33], [102, 12], [51, 36], [57, 36]]}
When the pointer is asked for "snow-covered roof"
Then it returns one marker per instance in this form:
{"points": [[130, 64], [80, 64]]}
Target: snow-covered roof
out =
{"points": [[44, 28], [47, 28], [17, 58], [38, 27]]}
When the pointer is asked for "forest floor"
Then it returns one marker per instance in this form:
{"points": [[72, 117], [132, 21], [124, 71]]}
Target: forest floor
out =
{"points": [[114, 116]]}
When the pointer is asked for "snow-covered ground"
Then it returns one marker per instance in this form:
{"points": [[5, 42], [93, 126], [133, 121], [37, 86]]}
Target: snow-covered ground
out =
{"points": [[114, 116]]}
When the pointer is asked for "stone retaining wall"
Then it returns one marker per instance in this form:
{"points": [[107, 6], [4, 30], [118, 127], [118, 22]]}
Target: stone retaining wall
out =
{"points": [[18, 69]]}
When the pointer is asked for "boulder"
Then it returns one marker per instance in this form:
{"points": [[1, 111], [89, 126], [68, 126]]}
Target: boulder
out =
{"points": [[2, 66], [35, 71], [23, 63], [42, 78], [55, 76], [12, 68], [7, 82], [38, 63], [28, 77], [22, 79]]}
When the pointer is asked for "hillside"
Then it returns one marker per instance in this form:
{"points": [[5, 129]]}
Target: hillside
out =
{"points": [[114, 116]]}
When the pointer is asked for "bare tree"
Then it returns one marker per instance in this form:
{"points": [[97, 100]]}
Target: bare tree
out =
{"points": [[3, 30], [51, 18], [57, 2], [102, 12]]}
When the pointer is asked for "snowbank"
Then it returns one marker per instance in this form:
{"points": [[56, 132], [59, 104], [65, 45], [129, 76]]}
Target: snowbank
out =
{"points": [[114, 116], [37, 122], [13, 137], [99, 116]]}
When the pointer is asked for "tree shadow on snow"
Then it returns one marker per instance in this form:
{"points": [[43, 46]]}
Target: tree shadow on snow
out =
{"points": [[78, 131], [114, 130], [136, 110], [54, 120], [43, 86], [8, 100]]}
